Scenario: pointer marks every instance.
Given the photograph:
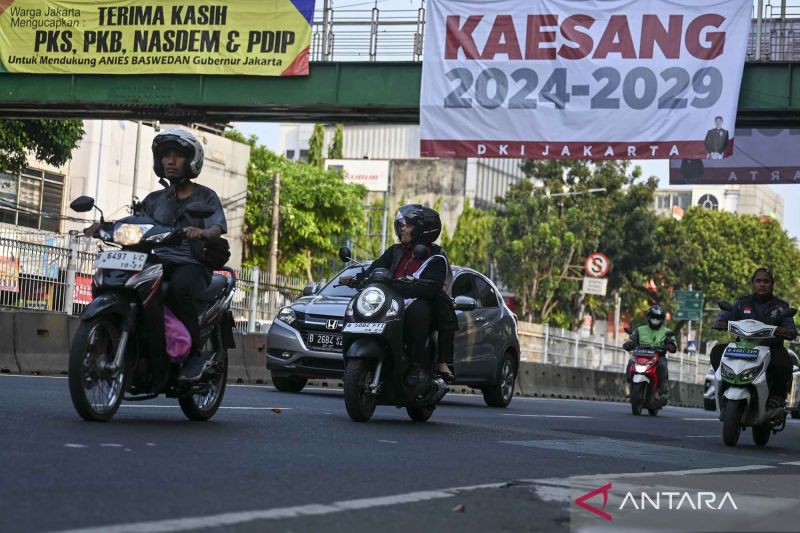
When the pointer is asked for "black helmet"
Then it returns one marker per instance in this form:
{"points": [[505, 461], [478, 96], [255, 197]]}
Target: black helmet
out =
{"points": [[426, 222], [183, 141], [656, 316]]}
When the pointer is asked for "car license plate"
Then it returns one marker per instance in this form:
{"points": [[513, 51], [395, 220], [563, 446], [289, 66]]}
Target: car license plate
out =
{"points": [[121, 261], [370, 328], [741, 353], [324, 342]]}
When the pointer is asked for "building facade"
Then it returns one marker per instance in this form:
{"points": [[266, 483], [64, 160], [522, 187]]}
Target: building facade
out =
{"points": [[759, 200]]}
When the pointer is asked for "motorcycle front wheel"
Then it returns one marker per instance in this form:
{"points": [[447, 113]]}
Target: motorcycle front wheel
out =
{"points": [[358, 401], [202, 406], [95, 387], [638, 394], [761, 434], [419, 414], [731, 428]]}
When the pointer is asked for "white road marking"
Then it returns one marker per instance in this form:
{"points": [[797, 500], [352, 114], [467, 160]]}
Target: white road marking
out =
{"points": [[699, 436], [389, 441], [226, 520], [149, 444], [110, 445], [702, 419], [792, 463], [71, 445], [31, 376], [222, 407], [547, 416]]}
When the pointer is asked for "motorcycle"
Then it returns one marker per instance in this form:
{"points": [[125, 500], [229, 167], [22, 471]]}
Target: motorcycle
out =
{"points": [[741, 382], [119, 349], [644, 379], [376, 362]]}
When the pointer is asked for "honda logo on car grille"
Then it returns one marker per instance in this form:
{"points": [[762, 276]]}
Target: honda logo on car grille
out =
{"points": [[333, 324]]}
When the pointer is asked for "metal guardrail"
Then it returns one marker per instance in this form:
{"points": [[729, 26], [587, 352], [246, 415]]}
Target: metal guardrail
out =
{"points": [[398, 34], [544, 344]]}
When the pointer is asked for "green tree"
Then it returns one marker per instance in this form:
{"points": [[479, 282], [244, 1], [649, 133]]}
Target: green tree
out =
{"points": [[336, 148], [316, 145], [318, 212], [51, 141], [471, 244]]}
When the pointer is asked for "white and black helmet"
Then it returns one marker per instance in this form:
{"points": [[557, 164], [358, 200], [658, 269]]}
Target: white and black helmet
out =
{"points": [[183, 141], [656, 316]]}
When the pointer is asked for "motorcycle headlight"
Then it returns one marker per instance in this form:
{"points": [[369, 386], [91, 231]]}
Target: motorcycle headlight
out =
{"points": [[394, 308], [370, 301], [287, 315], [127, 234], [751, 373], [727, 372], [642, 368]]}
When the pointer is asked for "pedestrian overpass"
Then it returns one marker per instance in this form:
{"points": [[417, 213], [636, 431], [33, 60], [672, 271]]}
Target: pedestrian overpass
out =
{"points": [[366, 68]]}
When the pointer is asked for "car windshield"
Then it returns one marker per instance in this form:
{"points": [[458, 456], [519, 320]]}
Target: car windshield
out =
{"points": [[342, 291]]}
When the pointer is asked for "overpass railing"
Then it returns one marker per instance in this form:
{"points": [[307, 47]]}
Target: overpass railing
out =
{"points": [[398, 34]]}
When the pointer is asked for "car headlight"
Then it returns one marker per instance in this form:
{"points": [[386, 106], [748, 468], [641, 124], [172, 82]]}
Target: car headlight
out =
{"points": [[370, 301], [287, 315], [127, 234], [394, 308], [727, 372], [751, 373]]}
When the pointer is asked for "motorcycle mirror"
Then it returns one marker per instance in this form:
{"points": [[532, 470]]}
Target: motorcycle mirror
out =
{"points": [[199, 210], [628, 330], [725, 306], [345, 254], [421, 252], [82, 204]]}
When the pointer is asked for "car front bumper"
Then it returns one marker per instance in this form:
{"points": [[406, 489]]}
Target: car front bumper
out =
{"points": [[287, 355]]}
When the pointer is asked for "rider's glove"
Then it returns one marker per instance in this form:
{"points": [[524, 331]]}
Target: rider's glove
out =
{"points": [[782, 332], [721, 325]]}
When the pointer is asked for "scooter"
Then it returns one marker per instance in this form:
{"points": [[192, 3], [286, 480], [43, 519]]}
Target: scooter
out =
{"points": [[741, 382], [376, 362], [119, 347], [644, 379]]}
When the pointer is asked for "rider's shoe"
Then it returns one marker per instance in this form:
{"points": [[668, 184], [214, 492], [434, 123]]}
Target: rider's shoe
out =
{"points": [[444, 371], [627, 389], [776, 402], [416, 376], [192, 368]]}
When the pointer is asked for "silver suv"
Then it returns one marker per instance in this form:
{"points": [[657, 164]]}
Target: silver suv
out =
{"points": [[305, 339]]}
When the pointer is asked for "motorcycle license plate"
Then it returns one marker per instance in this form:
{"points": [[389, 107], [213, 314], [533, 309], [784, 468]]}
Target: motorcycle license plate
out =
{"points": [[324, 342], [133, 261], [741, 353], [361, 327], [644, 352]]}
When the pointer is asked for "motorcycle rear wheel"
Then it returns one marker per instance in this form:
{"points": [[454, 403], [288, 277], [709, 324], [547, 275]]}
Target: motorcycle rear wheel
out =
{"points": [[95, 390], [761, 434], [638, 394], [419, 414], [653, 412], [201, 407], [731, 428], [360, 404]]}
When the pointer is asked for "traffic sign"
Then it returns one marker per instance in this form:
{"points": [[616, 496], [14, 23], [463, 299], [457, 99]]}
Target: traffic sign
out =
{"points": [[690, 305], [595, 286], [597, 265]]}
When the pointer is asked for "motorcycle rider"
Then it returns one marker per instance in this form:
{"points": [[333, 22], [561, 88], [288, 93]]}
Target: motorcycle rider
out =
{"points": [[654, 333], [762, 305], [177, 160], [427, 296]]}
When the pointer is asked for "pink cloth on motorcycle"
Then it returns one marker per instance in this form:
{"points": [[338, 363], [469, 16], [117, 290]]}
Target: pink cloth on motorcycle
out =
{"points": [[176, 337]]}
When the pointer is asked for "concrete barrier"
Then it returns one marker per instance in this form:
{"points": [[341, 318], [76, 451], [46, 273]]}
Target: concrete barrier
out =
{"points": [[255, 358], [42, 342], [237, 372], [8, 360]]}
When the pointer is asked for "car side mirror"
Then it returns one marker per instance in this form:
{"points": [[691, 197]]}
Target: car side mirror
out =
{"points": [[345, 254], [787, 313], [82, 204], [421, 252], [310, 289], [725, 306], [199, 210], [465, 303]]}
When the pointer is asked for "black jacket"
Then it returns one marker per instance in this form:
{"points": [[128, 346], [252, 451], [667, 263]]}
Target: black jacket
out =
{"points": [[769, 313], [438, 281]]}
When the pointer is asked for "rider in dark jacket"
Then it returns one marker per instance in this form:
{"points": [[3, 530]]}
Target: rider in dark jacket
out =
{"points": [[427, 297], [762, 305]]}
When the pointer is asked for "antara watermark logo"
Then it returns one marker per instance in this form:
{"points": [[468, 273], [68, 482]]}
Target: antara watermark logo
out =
{"points": [[658, 501]]}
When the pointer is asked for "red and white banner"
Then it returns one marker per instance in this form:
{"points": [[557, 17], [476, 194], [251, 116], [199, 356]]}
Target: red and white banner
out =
{"points": [[597, 79]]}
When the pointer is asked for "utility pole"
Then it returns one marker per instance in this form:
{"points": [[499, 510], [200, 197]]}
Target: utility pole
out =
{"points": [[617, 304], [273, 243], [136, 161]]}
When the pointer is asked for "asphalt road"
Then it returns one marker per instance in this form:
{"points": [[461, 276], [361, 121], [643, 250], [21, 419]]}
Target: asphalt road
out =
{"points": [[295, 462]]}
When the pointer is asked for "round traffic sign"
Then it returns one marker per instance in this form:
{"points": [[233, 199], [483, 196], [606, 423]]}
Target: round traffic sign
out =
{"points": [[597, 265]]}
